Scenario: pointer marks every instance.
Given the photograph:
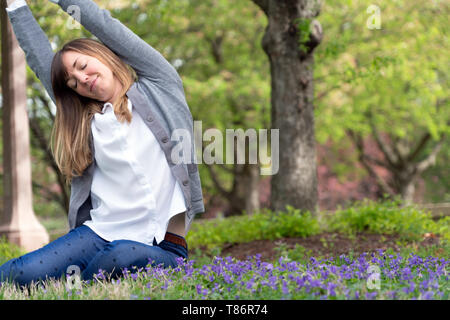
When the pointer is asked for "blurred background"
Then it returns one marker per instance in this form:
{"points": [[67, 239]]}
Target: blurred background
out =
{"points": [[381, 87]]}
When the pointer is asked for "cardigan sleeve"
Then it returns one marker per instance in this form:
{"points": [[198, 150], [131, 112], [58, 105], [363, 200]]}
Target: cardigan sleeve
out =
{"points": [[134, 51], [33, 41]]}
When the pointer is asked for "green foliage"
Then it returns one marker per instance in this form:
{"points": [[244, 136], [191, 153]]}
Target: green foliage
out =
{"points": [[196, 276], [364, 216], [443, 227], [9, 250], [396, 74], [303, 26], [299, 253], [231, 279], [386, 218], [261, 225]]}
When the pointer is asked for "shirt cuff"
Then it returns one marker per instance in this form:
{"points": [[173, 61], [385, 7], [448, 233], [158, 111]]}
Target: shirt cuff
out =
{"points": [[16, 4]]}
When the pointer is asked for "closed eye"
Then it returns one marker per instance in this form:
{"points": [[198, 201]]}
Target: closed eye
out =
{"points": [[76, 80]]}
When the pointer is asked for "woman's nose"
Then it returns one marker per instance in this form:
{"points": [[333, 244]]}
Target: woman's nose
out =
{"points": [[84, 79]]}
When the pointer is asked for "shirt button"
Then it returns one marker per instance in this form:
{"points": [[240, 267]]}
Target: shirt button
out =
{"points": [[149, 118], [185, 183]]}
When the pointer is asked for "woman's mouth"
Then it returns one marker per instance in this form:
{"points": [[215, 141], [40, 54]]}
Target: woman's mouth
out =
{"points": [[93, 84]]}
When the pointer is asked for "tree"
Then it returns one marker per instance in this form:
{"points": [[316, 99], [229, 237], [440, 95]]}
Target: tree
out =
{"points": [[387, 85], [289, 41], [215, 46]]}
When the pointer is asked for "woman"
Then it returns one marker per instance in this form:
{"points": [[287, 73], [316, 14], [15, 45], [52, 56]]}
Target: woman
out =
{"points": [[118, 102]]}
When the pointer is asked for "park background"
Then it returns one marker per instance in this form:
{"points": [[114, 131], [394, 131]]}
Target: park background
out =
{"points": [[375, 90]]}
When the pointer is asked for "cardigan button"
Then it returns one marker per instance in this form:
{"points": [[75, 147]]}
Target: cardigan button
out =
{"points": [[185, 183], [165, 139], [149, 118]]}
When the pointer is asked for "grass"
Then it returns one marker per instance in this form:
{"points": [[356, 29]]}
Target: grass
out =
{"points": [[413, 273], [388, 217]]}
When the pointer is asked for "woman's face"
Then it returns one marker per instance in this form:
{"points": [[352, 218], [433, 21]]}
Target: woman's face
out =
{"points": [[90, 78]]}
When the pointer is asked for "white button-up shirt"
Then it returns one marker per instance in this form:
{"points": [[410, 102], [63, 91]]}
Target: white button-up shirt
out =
{"points": [[133, 192]]}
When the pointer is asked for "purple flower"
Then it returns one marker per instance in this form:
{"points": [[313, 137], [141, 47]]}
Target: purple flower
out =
{"points": [[285, 288], [410, 288], [428, 295], [315, 283], [330, 288], [392, 294], [100, 274], [371, 295], [227, 278], [406, 274], [125, 273], [199, 288], [134, 276], [334, 269], [180, 261], [268, 266], [347, 293]]}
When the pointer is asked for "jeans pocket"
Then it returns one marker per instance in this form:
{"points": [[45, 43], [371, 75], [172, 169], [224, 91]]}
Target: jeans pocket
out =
{"points": [[176, 249]]}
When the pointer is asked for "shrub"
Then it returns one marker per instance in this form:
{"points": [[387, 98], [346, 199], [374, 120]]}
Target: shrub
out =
{"points": [[386, 217], [9, 250], [264, 224]]}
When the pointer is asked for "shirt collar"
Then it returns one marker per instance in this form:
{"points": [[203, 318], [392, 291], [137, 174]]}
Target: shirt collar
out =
{"points": [[108, 104]]}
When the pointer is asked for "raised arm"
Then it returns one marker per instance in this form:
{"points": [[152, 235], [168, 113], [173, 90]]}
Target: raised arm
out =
{"points": [[33, 41], [142, 57]]}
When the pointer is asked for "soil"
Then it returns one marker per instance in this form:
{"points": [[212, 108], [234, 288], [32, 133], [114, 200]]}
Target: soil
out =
{"points": [[324, 245]]}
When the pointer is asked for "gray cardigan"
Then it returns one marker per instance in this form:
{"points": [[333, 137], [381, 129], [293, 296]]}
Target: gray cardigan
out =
{"points": [[157, 95]]}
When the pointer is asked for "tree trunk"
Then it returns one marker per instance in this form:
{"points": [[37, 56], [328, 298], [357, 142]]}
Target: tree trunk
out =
{"points": [[289, 41], [245, 192], [252, 199]]}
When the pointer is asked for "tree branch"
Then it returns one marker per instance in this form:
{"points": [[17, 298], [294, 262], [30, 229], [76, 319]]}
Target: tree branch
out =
{"points": [[385, 149], [376, 161], [431, 159], [216, 47], [47, 107], [357, 139], [425, 138], [216, 182], [395, 147], [326, 92]]}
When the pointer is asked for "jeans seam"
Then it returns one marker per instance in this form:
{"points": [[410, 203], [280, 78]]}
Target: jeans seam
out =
{"points": [[172, 249]]}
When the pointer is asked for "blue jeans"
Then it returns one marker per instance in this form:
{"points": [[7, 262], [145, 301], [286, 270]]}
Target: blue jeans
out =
{"points": [[84, 248]]}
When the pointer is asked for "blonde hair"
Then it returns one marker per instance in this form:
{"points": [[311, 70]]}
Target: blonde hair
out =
{"points": [[70, 137]]}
